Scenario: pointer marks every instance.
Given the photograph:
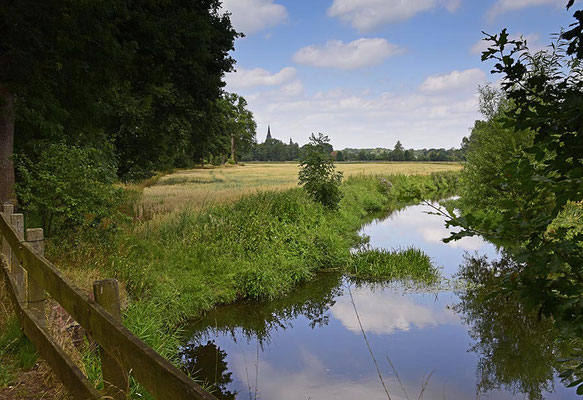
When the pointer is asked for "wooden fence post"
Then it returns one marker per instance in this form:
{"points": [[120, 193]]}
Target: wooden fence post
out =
{"points": [[8, 211], [115, 376], [17, 221], [36, 291]]}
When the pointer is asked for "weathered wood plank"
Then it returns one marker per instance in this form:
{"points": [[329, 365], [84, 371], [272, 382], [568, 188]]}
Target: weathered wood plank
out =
{"points": [[156, 374], [68, 373], [36, 297], [17, 222], [8, 211], [115, 376]]}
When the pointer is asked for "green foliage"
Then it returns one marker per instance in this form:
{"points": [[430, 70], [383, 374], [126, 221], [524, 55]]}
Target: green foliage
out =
{"points": [[539, 185], [517, 348], [236, 125], [318, 174], [490, 146], [141, 77], [274, 150], [544, 91], [410, 263], [16, 352], [400, 154], [68, 187], [259, 247]]}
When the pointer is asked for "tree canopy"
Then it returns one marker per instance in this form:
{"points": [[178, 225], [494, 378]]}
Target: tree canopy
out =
{"points": [[137, 81]]}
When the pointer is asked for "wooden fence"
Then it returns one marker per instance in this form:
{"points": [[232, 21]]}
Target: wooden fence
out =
{"points": [[29, 276]]}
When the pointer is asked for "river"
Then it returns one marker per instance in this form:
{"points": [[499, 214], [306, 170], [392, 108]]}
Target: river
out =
{"points": [[333, 337]]}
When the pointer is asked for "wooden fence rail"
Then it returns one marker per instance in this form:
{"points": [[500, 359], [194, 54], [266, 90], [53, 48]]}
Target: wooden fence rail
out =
{"points": [[28, 275]]}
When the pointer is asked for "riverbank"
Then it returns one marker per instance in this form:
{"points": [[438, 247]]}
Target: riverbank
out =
{"points": [[176, 266], [259, 247]]}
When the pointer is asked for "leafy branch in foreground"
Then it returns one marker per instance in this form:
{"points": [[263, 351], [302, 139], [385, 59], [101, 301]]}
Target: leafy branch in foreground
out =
{"points": [[539, 186]]}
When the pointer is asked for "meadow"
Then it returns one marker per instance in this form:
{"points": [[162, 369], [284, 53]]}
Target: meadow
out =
{"points": [[210, 236], [201, 187]]}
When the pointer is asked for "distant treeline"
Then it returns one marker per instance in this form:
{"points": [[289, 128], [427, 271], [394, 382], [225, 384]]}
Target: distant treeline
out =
{"points": [[276, 150]]}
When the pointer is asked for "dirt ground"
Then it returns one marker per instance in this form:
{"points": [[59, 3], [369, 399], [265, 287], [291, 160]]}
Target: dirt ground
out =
{"points": [[36, 384]]}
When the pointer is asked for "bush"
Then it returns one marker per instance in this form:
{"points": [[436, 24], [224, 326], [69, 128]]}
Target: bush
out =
{"points": [[318, 174], [68, 187]]}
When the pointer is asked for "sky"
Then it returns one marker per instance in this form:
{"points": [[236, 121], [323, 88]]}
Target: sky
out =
{"points": [[367, 73]]}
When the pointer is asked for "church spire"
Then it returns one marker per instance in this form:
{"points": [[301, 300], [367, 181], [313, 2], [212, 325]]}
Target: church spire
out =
{"points": [[268, 133]]}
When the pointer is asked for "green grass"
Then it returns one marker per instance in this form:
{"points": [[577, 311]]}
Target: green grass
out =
{"points": [[16, 352], [260, 247], [176, 266], [380, 264]]}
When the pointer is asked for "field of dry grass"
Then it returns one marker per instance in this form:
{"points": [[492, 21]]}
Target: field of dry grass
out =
{"points": [[196, 188]]}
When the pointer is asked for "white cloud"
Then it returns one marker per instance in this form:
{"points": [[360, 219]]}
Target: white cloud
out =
{"points": [[313, 376], [455, 80], [381, 313], [365, 15], [312, 379], [532, 41], [417, 119], [503, 6], [293, 89], [430, 228], [245, 78], [250, 16], [348, 56]]}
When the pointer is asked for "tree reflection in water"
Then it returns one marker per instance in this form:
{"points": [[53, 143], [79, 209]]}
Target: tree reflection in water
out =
{"points": [[517, 350], [207, 362], [256, 320], [253, 321]]}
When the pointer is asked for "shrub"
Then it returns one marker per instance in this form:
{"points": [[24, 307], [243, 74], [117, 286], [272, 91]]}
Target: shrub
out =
{"points": [[68, 187], [318, 174]]}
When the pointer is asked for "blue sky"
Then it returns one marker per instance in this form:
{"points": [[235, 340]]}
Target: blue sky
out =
{"points": [[370, 72]]}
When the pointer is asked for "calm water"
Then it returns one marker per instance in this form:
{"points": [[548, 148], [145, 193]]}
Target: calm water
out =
{"points": [[310, 345]]}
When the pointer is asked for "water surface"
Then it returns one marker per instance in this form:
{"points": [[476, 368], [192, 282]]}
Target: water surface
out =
{"points": [[311, 345]]}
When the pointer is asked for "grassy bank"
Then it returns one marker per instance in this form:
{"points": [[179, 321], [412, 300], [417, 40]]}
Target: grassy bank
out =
{"points": [[259, 247], [175, 266]]}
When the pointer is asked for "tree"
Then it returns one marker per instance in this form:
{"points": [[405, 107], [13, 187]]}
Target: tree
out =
{"points": [[340, 156], [133, 80], [318, 174], [544, 92], [239, 124], [398, 153], [489, 147], [68, 188], [6, 146], [409, 155]]}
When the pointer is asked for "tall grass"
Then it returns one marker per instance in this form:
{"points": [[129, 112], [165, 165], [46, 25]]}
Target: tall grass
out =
{"points": [[259, 247], [381, 264], [16, 351], [178, 265], [198, 188]]}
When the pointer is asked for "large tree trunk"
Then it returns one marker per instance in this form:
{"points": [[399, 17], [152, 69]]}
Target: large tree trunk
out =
{"points": [[233, 148], [6, 146]]}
